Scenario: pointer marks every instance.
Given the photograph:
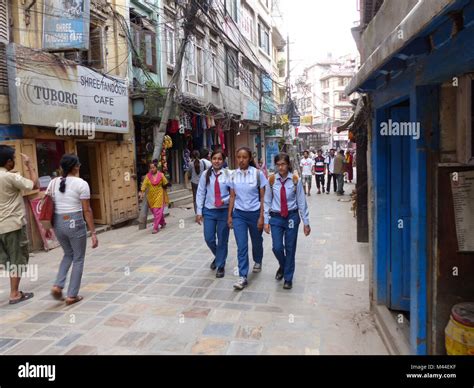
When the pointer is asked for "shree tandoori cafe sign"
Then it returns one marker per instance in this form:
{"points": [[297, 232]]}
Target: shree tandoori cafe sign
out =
{"points": [[58, 91], [66, 24]]}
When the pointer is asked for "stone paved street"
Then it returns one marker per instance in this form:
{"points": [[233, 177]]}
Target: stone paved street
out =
{"points": [[155, 294]]}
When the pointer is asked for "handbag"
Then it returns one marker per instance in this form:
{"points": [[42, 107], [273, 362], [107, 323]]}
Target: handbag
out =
{"points": [[46, 215]]}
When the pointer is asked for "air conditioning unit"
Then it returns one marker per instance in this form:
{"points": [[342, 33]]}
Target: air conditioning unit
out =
{"points": [[236, 81]]}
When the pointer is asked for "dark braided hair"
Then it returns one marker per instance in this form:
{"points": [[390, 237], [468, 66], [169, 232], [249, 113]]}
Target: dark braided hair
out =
{"points": [[197, 162], [209, 171], [68, 162], [251, 159]]}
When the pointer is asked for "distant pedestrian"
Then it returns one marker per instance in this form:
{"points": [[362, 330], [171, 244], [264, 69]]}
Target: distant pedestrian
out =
{"points": [[246, 213], [197, 167], [212, 204], [330, 169], [306, 165], [339, 171], [285, 203], [13, 237], [155, 184], [349, 167], [71, 196], [319, 171]]}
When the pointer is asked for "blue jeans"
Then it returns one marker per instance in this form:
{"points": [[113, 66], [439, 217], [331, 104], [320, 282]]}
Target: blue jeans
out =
{"points": [[284, 238], [215, 225], [245, 222], [71, 232]]}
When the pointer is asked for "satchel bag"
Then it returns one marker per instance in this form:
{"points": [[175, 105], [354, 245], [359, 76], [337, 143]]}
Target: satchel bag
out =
{"points": [[46, 215]]}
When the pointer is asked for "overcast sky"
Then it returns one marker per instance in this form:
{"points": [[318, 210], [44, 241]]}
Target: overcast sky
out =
{"points": [[317, 27]]}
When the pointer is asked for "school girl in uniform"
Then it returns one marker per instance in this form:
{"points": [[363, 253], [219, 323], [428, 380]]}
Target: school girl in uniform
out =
{"points": [[246, 213], [212, 203], [285, 203]]}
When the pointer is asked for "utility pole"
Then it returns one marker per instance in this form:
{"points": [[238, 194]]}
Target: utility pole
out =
{"points": [[160, 131], [292, 150]]}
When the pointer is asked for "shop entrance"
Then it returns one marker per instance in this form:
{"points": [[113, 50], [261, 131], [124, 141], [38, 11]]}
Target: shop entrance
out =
{"points": [[89, 156]]}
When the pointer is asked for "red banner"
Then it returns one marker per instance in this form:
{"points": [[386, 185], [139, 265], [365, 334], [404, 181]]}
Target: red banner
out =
{"points": [[48, 242]]}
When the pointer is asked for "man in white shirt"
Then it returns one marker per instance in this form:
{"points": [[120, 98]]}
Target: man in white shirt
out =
{"points": [[306, 165], [14, 254], [330, 168]]}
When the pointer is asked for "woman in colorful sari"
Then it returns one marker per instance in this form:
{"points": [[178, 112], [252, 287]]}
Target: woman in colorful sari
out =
{"points": [[155, 182]]}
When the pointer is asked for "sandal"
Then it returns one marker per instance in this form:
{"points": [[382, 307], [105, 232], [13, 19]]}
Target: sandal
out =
{"points": [[70, 301], [57, 293], [24, 296]]}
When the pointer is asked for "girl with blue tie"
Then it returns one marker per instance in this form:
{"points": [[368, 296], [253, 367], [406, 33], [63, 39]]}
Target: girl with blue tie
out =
{"points": [[247, 191], [285, 203], [212, 202]]}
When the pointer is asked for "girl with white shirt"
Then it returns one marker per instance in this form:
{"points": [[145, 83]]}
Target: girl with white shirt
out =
{"points": [[71, 196]]}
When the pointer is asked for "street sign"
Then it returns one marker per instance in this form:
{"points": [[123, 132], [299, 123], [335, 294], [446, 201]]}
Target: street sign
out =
{"points": [[295, 121]]}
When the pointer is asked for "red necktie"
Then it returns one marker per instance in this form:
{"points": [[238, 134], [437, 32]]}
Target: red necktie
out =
{"points": [[284, 202], [217, 192]]}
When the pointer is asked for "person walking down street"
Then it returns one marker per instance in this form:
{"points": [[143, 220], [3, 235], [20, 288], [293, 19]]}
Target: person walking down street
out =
{"points": [[212, 204], [349, 167], [319, 171], [71, 197], [306, 165], [339, 171], [13, 237], [246, 213], [197, 167], [330, 168], [285, 206], [155, 182]]}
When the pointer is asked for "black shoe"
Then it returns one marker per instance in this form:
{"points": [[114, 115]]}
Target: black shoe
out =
{"points": [[279, 274], [288, 285], [220, 273], [213, 264]]}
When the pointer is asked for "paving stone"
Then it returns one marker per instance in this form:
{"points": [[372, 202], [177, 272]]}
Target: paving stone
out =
{"points": [[253, 297], [249, 332], [7, 343], [68, 340], [121, 320], [29, 346], [83, 350], [190, 292], [209, 346], [219, 329], [45, 317], [196, 312], [200, 282], [171, 280], [244, 348], [223, 295]]}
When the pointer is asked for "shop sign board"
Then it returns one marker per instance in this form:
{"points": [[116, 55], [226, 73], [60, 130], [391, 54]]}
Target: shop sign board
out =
{"points": [[11, 132], [66, 24], [462, 185], [70, 94]]}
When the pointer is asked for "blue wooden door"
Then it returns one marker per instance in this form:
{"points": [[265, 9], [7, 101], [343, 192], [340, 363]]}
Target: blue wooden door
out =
{"points": [[399, 180]]}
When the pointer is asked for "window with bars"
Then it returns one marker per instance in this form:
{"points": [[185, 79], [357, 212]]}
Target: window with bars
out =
{"points": [[214, 63], [264, 38], [248, 79], [246, 23], [194, 67], [144, 43], [231, 8], [232, 68], [4, 39], [95, 56], [170, 44]]}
